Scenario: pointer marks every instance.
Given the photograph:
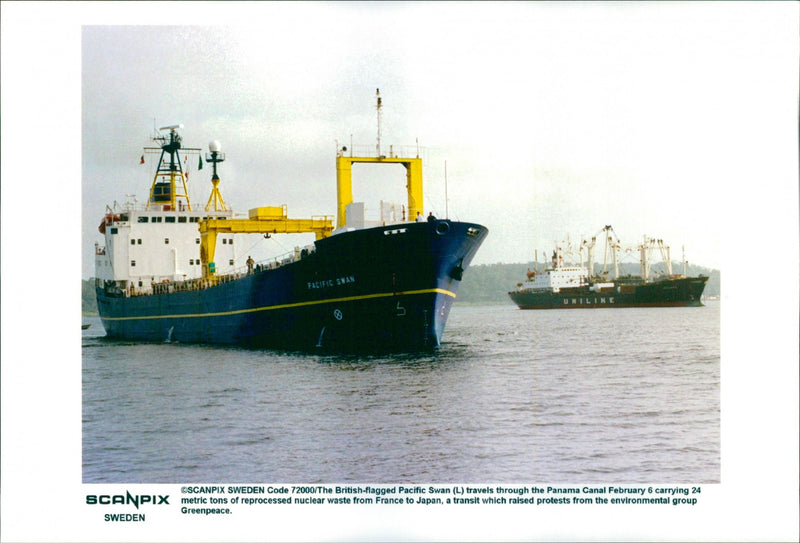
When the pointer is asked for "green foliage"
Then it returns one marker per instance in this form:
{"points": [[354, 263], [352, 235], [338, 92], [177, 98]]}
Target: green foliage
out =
{"points": [[88, 300], [490, 283]]}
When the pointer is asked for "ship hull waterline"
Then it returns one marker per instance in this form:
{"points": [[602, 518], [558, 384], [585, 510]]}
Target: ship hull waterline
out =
{"points": [[382, 288]]}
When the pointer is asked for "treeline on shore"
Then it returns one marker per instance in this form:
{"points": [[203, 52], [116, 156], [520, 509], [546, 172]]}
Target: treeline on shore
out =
{"points": [[482, 284], [88, 300]]}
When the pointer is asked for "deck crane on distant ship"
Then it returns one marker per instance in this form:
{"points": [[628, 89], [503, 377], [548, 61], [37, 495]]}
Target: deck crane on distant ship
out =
{"points": [[576, 286]]}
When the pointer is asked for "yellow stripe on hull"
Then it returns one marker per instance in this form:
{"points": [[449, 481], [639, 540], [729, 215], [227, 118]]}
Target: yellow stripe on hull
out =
{"points": [[285, 306]]}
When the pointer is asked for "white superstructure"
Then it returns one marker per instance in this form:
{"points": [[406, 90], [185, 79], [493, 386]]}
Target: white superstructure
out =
{"points": [[555, 279], [148, 246], [168, 240]]}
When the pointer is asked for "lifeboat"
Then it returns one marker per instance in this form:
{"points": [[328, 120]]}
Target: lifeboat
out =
{"points": [[107, 220]]}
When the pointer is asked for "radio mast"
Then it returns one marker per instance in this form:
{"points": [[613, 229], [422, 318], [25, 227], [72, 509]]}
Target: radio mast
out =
{"points": [[378, 96]]}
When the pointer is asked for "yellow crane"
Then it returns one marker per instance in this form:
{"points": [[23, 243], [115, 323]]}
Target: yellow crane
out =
{"points": [[344, 175], [344, 181], [274, 220], [262, 220]]}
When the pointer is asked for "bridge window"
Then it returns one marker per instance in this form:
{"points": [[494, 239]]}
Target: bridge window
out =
{"points": [[181, 219], [133, 263], [169, 219], [166, 241], [142, 219]]}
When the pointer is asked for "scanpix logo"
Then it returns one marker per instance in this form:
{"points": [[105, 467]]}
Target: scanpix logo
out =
{"points": [[127, 499]]}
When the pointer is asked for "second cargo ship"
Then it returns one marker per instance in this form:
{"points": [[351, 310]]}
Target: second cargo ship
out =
{"points": [[573, 286]]}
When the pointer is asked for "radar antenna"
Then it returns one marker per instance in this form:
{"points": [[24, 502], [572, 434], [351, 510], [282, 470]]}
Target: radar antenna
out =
{"points": [[215, 200]]}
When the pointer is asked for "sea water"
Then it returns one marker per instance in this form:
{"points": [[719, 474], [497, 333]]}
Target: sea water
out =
{"points": [[511, 396]]}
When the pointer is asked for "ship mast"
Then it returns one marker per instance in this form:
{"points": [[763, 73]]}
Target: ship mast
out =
{"points": [[589, 254], [378, 107], [683, 258], [344, 176], [612, 245], [645, 250], [215, 200], [166, 188]]}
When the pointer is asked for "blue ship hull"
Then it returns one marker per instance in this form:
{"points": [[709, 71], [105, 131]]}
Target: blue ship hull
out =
{"points": [[378, 288]]}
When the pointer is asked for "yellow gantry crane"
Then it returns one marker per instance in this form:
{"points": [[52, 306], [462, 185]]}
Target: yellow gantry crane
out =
{"points": [[344, 182], [274, 220], [344, 175], [262, 220]]}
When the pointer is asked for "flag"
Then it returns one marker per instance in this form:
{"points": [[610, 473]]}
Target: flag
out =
{"points": [[141, 160], [200, 163]]}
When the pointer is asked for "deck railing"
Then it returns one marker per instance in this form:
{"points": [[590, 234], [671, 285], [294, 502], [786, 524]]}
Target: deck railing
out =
{"points": [[200, 283]]}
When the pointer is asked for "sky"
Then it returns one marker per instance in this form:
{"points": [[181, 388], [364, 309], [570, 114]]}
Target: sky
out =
{"points": [[551, 119]]}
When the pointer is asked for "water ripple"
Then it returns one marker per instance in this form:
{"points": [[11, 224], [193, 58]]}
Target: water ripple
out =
{"points": [[585, 396]]}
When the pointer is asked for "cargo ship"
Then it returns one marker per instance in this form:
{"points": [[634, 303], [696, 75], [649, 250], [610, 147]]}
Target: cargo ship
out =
{"points": [[563, 286], [171, 271]]}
